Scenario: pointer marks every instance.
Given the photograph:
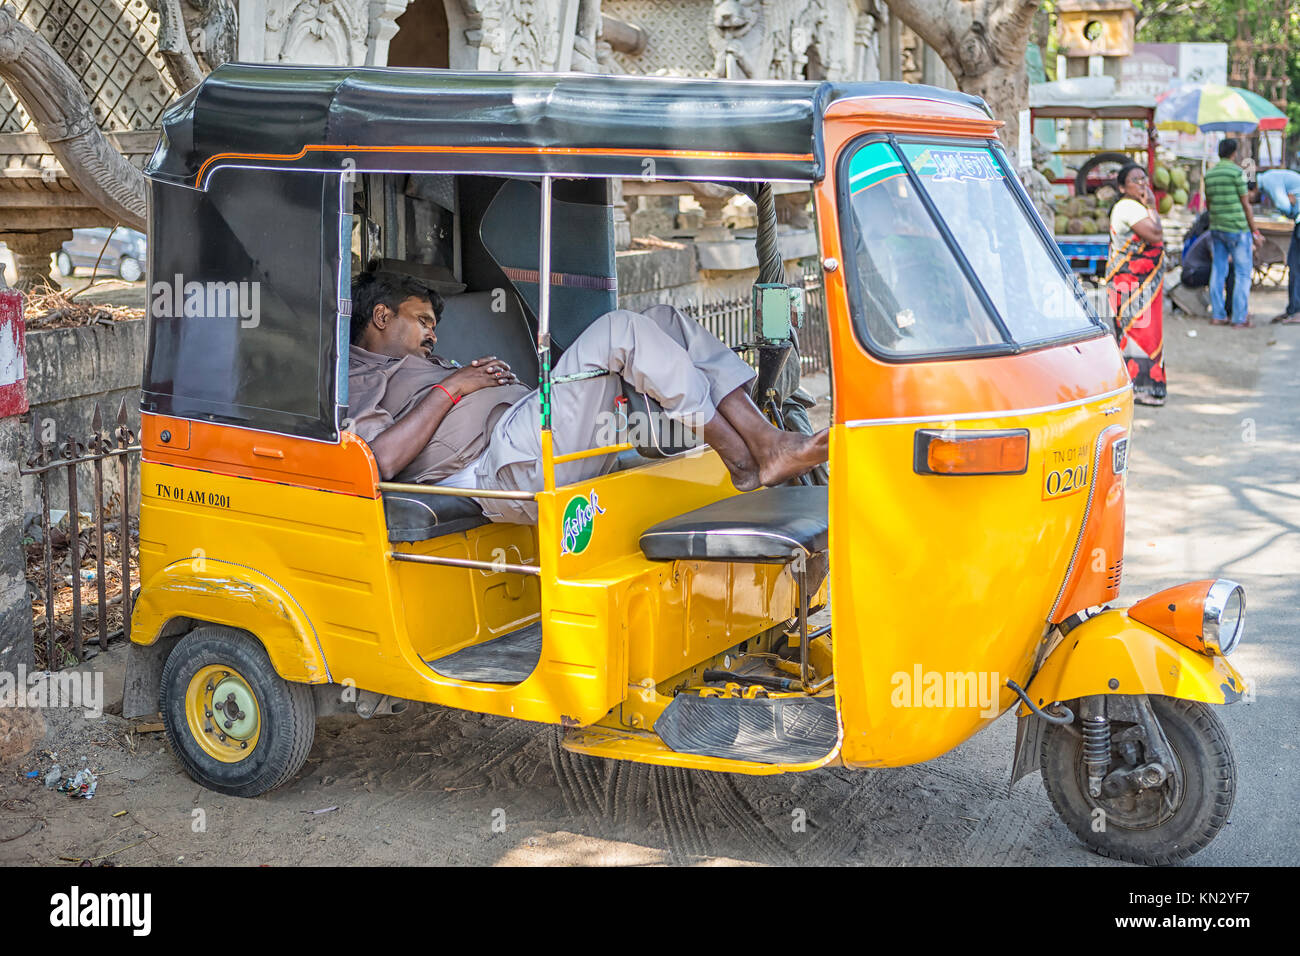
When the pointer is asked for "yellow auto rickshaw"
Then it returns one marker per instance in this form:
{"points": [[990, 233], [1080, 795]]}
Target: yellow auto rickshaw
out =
{"points": [[965, 549]]}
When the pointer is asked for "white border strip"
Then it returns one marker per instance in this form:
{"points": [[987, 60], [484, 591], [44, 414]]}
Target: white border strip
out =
{"points": [[974, 416]]}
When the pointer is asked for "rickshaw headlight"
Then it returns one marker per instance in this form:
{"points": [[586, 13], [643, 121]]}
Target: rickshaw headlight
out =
{"points": [[1206, 616], [1225, 616]]}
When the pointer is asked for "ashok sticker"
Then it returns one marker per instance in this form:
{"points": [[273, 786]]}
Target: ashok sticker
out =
{"points": [[579, 516]]}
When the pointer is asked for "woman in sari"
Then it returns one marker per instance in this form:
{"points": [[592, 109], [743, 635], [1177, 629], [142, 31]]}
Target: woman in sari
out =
{"points": [[1135, 279]]}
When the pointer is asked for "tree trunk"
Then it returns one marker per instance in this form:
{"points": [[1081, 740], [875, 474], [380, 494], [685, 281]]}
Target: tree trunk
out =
{"points": [[54, 99], [982, 42], [174, 45]]}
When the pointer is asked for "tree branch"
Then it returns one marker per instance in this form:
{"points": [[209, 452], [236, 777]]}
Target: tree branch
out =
{"points": [[174, 45], [54, 99], [937, 22]]}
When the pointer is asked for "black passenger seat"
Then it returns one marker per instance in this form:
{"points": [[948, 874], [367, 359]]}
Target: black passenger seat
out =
{"points": [[761, 527]]}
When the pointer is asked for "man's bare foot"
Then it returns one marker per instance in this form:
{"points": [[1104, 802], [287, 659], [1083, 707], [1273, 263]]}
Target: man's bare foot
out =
{"points": [[789, 454], [743, 480], [734, 453]]}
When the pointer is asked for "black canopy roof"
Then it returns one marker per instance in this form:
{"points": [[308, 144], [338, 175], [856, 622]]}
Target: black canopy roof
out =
{"points": [[509, 123]]}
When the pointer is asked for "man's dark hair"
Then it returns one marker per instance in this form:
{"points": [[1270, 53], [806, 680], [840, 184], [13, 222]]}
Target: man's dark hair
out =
{"points": [[390, 289], [1121, 178], [1227, 148]]}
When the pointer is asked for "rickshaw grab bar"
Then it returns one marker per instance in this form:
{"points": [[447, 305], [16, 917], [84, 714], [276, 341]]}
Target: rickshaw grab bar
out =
{"points": [[593, 452], [466, 563], [408, 488]]}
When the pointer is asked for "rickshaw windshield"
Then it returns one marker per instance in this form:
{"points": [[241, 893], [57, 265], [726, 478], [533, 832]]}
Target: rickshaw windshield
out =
{"points": [[913, 292]]}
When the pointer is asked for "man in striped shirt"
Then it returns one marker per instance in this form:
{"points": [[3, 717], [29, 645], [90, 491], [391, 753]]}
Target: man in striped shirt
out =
{"points": [[1232, 234]]}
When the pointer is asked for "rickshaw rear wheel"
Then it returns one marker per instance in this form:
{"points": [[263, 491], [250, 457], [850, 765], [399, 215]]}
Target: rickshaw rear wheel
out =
{"points": [[1156, 827], [236, 725]]}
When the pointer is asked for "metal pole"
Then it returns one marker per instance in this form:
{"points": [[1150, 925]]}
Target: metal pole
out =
{"points": [[97, 447], [124, 529], [50, 662], [544, 305], [38, 458], [74, 546], [801, 580], [465, 563]]}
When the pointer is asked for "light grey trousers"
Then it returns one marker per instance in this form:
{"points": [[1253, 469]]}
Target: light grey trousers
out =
{"points": [[660, 352]]}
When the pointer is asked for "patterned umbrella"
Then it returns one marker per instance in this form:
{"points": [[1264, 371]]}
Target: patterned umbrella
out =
{"points": [[1214, 108]]}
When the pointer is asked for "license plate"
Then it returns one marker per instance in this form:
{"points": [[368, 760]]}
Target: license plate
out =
{"points": [[1067, 471]]}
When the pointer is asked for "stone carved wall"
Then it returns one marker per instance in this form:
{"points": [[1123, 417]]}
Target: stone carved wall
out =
{"points": [[756, 39], [678, 43]]}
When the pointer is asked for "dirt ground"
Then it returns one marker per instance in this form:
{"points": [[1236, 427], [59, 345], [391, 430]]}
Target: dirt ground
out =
{"points": [[436, 786]]}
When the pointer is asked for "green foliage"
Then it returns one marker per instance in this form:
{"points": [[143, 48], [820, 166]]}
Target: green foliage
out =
{"points": [[1267, 23]]}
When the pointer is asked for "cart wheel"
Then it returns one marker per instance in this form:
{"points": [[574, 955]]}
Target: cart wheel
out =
{"points": [[237, 726], [1094, 164], [1156, 826]]}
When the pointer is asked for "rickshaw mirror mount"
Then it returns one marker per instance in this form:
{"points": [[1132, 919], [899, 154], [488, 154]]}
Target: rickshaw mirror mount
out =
{"points": [[777, 309]]}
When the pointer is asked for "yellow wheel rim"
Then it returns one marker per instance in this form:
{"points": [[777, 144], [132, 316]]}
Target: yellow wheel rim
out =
{"points": [[222, 713]]}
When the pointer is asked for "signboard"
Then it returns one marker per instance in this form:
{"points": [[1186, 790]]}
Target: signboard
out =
{"points": [[1145, 73], [1203, 63], [13, 355]]}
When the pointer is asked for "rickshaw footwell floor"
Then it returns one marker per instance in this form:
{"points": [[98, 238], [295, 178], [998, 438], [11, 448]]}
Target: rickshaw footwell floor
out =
{"points": [[507, 659], [764, 730]]}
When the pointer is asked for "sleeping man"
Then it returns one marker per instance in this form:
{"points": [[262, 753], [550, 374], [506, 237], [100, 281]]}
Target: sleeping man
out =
{"points": [[426, 419]]}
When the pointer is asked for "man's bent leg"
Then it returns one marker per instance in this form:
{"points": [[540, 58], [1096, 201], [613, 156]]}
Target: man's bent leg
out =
{"points": [[724, 369], [633, 347]]}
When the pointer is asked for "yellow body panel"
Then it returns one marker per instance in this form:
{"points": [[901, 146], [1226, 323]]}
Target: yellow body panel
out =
{"points": [[307, 572], [946, 578], [219, 592], [1113, 654]]}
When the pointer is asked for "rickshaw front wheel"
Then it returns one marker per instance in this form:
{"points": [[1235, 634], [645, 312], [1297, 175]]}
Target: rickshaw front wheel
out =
{"points": [[1161, 825], [232, 721]]}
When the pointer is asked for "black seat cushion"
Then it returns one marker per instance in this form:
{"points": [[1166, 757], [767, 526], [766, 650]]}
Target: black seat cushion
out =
{"points": [[415, 516], [761, 527]]}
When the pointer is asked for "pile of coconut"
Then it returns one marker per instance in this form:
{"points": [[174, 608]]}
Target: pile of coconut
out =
{"points": [[1090, 215], [1085, 215]]}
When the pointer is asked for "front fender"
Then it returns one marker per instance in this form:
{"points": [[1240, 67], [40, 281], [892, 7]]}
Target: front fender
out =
{"points": [[212, 591], [1114, 654]]}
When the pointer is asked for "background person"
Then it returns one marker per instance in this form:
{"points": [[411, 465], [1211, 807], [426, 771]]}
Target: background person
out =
{"points": [[1233, 236], [1282, 186], [1135, 282]]}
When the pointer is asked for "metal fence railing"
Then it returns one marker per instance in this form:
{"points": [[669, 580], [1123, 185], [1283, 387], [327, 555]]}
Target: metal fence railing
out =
{"points": [[49, 455], [729, 318]]}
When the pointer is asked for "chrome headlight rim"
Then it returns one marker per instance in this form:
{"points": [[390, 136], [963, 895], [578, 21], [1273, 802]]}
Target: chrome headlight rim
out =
{"points": [[1219, 599]]}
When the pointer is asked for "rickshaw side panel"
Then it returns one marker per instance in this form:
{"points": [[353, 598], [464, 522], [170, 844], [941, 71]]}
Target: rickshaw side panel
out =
{"points": [[943, 584], [670, 615], [319, 553]]}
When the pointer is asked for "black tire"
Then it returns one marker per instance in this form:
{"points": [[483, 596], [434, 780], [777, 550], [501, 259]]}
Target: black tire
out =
{"points": [[1204, 753], [286, 713], [1081, 178], [63, 262]]}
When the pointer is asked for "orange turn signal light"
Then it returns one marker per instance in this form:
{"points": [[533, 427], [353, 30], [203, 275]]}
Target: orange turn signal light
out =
{"points": [[952, 452]]}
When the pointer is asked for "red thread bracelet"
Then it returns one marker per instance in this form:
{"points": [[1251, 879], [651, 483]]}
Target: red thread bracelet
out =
{"points": [[454, 398]]}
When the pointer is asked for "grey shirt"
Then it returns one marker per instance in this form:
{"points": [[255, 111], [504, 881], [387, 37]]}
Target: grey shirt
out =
{"points": [[382, 390]]}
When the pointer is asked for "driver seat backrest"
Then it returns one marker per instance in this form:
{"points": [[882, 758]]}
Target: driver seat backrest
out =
{"points": [[470, 328]]}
